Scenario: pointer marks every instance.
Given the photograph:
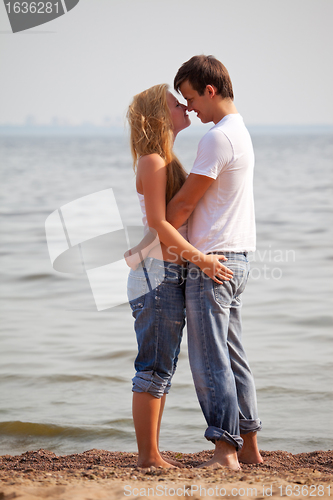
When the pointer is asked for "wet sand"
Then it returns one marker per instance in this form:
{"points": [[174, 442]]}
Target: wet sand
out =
{"points": [[99, 474]]}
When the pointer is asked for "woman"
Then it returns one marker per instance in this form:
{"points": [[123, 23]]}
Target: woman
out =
{"points": [[156, 286]]}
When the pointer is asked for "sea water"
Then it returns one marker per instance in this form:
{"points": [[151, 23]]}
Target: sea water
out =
{"points": [[66, 369]]}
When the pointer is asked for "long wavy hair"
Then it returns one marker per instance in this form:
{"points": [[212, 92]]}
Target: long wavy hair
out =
{"points": [[151, 132]]}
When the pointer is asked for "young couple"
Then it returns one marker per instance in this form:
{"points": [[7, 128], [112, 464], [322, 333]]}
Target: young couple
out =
{"points": [[207, 220]]}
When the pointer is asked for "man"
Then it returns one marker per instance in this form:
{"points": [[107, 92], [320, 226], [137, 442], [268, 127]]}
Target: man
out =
{"points": [[218, 198]]}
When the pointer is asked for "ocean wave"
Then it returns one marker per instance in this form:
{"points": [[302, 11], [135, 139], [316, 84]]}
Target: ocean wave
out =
{"points": [[62, 378], [316, 321], [35, 277], [40, 430], [113, 355], [275, 390]]}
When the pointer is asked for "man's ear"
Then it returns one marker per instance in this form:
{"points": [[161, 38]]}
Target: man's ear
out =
{"points": [[211, 90]]}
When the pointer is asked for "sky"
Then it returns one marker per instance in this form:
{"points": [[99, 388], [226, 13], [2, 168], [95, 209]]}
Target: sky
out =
{"points": [[86, 65]]}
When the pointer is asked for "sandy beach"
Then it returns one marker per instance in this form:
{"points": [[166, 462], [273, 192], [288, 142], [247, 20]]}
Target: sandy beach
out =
{"points": [[99, 474]]}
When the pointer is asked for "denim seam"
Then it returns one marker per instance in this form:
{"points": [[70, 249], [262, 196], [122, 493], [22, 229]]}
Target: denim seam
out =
{"points": [[157, 324], [204, 343]]}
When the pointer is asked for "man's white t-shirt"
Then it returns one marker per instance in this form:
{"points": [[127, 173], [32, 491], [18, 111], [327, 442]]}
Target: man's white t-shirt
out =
{"points": [[224, 219]]}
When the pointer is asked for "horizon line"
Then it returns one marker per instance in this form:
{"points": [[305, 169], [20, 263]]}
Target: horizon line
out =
{"points": [[92, 129]]}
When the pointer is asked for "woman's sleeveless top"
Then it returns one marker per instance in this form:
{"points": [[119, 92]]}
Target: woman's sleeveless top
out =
{"points": [[182, 230]]}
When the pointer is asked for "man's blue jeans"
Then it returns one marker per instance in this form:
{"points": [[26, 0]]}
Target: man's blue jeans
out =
{"points": [[221, 373]]}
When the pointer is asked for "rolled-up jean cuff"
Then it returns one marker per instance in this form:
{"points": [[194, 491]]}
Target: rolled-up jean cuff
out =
{"points": [[247, 426], [215, 434], [151, 382]]}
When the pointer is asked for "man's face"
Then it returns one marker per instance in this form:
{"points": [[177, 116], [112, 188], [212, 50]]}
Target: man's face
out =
{"points": [[201, 104]]}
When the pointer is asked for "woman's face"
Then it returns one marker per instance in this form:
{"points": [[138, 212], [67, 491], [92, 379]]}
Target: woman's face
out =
{"points": [[178, 113]]}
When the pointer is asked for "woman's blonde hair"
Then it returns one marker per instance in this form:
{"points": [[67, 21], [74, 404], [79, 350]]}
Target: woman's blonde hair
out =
{"points": [[151, 132]]}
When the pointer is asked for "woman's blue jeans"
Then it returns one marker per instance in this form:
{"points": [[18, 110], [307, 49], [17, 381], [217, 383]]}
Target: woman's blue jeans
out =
{"points": [[156, 292], [221, 373]]}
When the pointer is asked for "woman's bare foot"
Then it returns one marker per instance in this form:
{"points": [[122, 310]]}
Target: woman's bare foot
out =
{"points": [[249, 454], [225, 455], [156, 461], [175, 463]]}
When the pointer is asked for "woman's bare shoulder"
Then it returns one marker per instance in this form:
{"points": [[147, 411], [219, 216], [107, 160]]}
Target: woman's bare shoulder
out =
{"points": [[151, 169], [152, 160]]}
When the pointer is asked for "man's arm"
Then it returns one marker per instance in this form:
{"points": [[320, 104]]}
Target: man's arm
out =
{"points": [[184, 202]]}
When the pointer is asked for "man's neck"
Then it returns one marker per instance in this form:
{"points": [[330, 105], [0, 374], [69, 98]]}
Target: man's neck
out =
{"points": [[224, 107]]}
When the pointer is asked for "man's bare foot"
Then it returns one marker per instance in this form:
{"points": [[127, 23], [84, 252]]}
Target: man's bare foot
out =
{"points": [[225, 455], [249, 454], [250, 458]]}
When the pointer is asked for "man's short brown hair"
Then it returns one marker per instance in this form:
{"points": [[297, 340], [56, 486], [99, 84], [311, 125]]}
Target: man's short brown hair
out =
{"points": [[201, 71]]}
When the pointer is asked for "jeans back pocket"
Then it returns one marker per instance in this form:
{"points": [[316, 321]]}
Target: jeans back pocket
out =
{"points": [[226, 293], [137, 288]]}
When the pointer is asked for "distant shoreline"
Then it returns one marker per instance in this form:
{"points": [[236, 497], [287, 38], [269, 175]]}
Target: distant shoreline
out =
{"points": [[100, 131]]}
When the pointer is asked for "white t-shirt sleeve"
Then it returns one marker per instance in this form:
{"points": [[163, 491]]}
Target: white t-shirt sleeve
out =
{"points": [[215, 152]]}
